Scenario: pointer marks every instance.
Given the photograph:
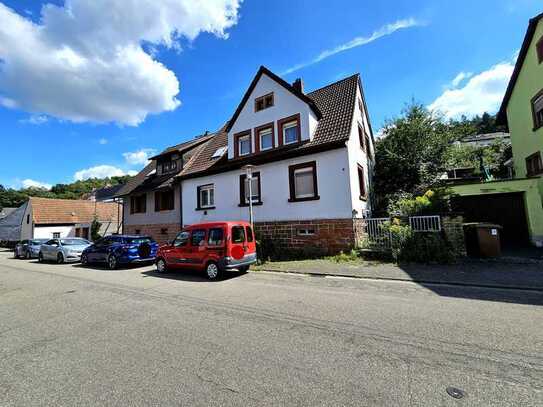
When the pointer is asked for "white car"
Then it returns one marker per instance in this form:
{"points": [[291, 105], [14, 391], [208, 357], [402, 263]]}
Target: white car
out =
{"points": [[63, 250]]}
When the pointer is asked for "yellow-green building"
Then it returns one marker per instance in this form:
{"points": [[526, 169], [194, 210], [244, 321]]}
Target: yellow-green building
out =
{"points": [[522, 112]]}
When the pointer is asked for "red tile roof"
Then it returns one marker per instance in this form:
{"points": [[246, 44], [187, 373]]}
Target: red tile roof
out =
{"points": [[49, 211]]}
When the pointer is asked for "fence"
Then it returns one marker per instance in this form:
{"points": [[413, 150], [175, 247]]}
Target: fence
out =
{"points": [[378, 237]]}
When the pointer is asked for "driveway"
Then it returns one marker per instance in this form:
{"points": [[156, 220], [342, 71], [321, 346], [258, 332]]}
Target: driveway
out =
{"points": [[86, 336]]}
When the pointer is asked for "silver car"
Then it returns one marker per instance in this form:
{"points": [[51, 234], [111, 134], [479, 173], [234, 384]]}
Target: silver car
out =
{"points": [[63, 250], [28, 249]]}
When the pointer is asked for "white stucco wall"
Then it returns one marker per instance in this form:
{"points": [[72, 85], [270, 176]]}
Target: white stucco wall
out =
{"points": [[285, 105], [333, 188], [357, 156], [150, 217], [46, 232]]}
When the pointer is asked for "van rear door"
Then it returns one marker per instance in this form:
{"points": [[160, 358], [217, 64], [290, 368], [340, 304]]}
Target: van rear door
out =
{"points": [[238, 242]]}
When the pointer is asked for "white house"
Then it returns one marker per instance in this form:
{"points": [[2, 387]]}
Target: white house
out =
{"points": [[312, 155]]}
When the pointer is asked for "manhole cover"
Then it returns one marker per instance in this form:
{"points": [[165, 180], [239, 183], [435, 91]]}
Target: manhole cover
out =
{"points": [[455, 393]]}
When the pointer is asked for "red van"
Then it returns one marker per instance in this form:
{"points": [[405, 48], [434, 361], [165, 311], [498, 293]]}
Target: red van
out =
{"points": [[212, 247]]}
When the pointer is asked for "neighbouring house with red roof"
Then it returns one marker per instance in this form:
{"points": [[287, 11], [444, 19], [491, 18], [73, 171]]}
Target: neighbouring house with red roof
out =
{"points": [[51, 218], [312, 157]]}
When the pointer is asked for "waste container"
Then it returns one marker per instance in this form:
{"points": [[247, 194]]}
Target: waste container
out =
{"points": [[483, 239]]}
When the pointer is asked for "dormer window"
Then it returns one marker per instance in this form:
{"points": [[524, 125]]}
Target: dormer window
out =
{"points": [[242, 144], [289, 130], [168, 164], [263, 102]]}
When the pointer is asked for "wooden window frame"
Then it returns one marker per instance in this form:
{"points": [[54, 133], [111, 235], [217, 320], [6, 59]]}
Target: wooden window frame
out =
{"points": [[292, 184], [257, 130], [280, 125], [536, 156], [242, 179], [539, 50], [263, 99], [537, 125], [362, 183], [237, 137], [368, 146], [361, 134], [160, 202], [133, 205], [199, 206]]}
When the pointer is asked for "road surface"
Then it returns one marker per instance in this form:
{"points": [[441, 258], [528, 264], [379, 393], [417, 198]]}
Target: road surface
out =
{"points": [[74, 336]]}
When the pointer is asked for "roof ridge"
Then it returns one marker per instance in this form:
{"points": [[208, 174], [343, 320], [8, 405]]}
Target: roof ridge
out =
{"points": [[335, 83]]}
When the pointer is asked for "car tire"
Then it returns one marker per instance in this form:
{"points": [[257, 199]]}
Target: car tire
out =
{"points": [[111, 262], [40, 257], [84, 260], [161, 266], [243, 269], [28, 256], [60, 258], [212, 271], [15, 254]]}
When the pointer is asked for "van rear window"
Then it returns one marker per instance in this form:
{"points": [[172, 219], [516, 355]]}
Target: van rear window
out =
{"points": [[238, 234]]}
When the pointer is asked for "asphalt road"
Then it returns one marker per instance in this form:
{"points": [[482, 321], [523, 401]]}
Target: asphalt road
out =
{"points": [[77, 336]]}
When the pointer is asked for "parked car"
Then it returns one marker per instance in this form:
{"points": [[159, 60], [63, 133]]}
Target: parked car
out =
{"points": [[28, 249], [211, 247], [118, 249], [63, 250]]}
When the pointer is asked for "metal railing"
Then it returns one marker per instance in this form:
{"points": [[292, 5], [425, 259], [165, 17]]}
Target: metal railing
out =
{"points": [[425, 223]]}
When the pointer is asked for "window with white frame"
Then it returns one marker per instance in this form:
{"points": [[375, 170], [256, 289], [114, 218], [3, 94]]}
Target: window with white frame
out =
{"points": [[290, 132], [254, 192], [265, 138], [206, 196], [244, 144]]}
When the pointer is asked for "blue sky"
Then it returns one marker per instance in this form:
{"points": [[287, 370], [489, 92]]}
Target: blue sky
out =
{"points": [[93, 90]]}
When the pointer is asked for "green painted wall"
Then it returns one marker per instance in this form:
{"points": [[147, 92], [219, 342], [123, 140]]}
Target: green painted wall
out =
{"points": [[519, 110], [533, 191]]}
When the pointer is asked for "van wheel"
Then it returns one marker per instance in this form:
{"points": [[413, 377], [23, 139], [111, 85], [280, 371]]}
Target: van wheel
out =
{"points": [[212, 271], [161, 266]]}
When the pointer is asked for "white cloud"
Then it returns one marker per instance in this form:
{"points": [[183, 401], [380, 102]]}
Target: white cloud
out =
{"points": [[84, 61], [140, 157], [482, 93], [30, 183], [101, 171], [461, 77], [102, 141], [385, 30], [35, 119]]}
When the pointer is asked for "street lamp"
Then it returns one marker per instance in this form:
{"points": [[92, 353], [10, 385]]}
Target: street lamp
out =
{"points": [[249, 176]]}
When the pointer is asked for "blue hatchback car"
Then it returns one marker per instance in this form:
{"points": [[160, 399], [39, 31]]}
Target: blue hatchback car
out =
{"points": [[118, 250]]}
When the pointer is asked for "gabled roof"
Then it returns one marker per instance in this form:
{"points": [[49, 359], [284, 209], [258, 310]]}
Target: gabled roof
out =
{"points": [[51, 211], [185, 146], [336, 102], [263, 70], [106, 193], [502, 114]]}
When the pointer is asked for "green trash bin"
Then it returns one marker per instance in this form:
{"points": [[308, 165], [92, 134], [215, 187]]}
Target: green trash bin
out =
{"points": [[483, 239]]}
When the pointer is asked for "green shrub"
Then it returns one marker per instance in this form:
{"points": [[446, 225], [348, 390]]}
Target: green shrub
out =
{"points": [[345, 257]]}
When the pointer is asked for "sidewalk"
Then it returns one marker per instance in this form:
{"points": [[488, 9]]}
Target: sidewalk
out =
{"points": [[491, 274]]}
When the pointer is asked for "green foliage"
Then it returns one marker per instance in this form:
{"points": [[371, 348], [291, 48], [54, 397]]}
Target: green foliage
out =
{"points": [[414, 151], [95, 230], [345, 257], [432, 202], [411, 247], [16, 197]]}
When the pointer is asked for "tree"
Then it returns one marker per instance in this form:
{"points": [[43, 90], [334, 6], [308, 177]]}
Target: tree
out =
{"points": [[409, 156]]}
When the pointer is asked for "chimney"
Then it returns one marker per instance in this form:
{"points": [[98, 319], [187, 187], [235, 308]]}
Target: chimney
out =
{"points": [[298, 84]]}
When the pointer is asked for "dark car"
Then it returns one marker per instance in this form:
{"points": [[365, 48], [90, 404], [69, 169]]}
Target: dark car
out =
{"points": [[121, 250], [28, 249]]}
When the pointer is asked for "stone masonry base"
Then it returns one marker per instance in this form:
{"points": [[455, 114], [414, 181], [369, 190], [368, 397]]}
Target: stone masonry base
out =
{"points": [[323, 236], [162, 233]]}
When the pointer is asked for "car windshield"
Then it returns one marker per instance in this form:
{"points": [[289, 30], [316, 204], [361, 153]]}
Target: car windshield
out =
{"points": [[139, 240], [74, 242], [37, 241]]}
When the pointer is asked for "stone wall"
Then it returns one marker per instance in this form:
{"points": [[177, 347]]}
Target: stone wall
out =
{"points": [[454, 232], [162, 233], [313, 237]]}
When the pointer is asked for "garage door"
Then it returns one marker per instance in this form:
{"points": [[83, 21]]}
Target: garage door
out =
{"points": [[507, 210]]}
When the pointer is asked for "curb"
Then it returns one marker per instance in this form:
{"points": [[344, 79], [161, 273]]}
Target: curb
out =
{"points": [[421, 281]]}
